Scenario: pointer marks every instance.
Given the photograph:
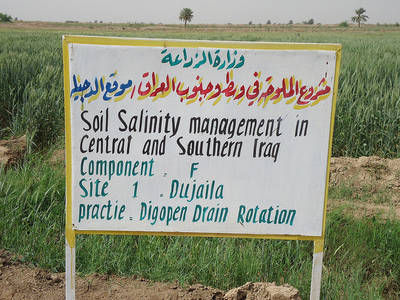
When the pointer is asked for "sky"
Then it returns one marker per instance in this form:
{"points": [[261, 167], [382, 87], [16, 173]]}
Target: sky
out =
{"points": [[205, 11]]}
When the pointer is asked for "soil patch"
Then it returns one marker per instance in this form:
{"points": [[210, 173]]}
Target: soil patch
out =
{"points": [[18, 281], [368, 186], [12, 151], [262, 290], [381, 173]]}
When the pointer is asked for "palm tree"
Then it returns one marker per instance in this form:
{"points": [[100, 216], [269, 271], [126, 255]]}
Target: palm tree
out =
{"points": [[360, 16], [186, 15]]}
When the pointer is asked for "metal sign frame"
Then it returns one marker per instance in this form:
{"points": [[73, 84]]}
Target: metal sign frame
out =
{"points": [[70, 233]]}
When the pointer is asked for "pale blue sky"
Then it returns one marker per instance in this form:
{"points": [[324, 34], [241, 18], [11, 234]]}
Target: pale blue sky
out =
{"points": [[205, 11]]}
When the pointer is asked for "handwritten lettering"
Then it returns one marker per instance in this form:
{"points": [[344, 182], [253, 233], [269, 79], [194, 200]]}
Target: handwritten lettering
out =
{"points": [[214, 58], [259, 92]]}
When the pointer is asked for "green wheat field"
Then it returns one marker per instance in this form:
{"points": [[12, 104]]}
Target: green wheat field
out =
{"points": [[362, 255]]}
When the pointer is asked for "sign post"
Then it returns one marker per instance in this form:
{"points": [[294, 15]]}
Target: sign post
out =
{"points": [[198, 138]]}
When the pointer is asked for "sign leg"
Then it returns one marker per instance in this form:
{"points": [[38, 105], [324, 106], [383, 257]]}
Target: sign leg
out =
{"points": [[69, 271], [317, 270]]}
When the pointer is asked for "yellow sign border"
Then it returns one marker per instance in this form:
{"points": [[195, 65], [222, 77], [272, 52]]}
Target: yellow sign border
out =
{"points": [[116, 41]]}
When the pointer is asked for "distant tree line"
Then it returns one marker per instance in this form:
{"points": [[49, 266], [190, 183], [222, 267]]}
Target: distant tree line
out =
{"points": [[5, 18], [186, 15], [309, 22]]}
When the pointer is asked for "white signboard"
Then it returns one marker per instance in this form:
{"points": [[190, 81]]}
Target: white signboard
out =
{"points": [[189, 137]]}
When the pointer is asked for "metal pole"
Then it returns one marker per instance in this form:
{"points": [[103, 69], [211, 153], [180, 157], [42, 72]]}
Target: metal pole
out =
{"points": [[317, 269], [70, 269]]}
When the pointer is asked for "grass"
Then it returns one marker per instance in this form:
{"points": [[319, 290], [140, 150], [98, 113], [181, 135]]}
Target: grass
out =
{"points": [[31, 218], [364, 193], [31, 87], [360, 259]]}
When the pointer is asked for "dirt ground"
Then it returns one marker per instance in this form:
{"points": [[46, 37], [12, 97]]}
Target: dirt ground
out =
{"points": [[12, 151], [18, 281], [369, 184]]}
